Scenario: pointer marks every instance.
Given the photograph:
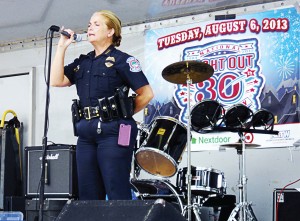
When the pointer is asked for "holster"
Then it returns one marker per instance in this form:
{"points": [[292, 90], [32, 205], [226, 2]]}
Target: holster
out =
{"points": [[125, 103], [117, 106], [76, 115]]}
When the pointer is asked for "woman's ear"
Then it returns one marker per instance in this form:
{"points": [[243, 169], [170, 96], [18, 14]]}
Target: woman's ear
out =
{"points": [[111, 32]]}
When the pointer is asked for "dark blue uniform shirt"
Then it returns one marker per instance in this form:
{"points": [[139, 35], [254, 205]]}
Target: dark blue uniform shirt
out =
{"points": [[98, 77]]}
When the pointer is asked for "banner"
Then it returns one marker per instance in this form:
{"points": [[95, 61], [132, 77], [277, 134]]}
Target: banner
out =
{"points": [[255, 59]]}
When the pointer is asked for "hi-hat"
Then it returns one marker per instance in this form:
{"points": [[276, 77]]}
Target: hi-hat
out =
{"points": [[179, 72], [239, 145]]}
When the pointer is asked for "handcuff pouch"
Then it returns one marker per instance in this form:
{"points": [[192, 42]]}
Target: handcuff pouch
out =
{"points": [[104, 109]]}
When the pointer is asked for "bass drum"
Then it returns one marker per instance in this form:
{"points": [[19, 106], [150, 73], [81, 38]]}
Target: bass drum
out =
{"points": [[153, 189], [205, 181]]}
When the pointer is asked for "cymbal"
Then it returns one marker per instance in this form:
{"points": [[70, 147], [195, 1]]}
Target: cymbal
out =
{"points": [[238, 145], [178, 72]]}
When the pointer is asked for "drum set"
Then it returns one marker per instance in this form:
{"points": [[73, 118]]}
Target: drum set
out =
{"points": [[160, 148], [161, 144]]}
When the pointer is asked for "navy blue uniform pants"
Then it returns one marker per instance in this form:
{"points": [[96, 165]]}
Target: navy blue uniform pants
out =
{"points": [[103, 166]]}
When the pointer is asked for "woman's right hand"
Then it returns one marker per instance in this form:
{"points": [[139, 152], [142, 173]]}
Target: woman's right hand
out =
{"points": [[57, 77], [65, 41]]}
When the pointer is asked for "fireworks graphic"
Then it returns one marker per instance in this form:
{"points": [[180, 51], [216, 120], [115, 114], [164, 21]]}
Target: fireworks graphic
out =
{"points": [[285, 68]]}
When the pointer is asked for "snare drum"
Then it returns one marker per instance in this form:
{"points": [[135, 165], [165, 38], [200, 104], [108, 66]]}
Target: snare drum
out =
{"points": [[161, 152], [154, 189], [205, 181]]}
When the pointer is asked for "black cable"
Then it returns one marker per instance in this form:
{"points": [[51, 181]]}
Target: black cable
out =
{"points": [[45, 74]]}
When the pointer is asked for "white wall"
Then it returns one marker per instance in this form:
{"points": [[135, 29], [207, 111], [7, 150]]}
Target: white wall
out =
{"points": [[266, 168]]}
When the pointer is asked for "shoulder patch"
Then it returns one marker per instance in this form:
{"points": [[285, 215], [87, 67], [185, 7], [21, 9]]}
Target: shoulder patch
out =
{"points": [[134, 64]]}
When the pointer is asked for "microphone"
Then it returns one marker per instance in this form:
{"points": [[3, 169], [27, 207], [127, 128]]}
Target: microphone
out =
{"points": [[55, 28], [77, 37]]}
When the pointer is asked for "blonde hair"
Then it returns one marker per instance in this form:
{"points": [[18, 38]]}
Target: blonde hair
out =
{"points": [[112, 21]]}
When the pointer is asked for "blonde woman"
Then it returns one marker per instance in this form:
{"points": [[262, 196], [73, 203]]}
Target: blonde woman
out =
{"points": [[103, 122]]}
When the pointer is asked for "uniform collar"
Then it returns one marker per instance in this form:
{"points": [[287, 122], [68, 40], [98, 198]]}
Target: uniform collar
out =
{"points": [[105, 53]]}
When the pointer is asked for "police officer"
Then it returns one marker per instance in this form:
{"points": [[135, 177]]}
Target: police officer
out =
{"points": [[103, 157]]}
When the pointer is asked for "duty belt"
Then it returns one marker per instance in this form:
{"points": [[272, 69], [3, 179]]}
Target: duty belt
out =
{"points": [[103, 111], [90, 112], [110, 108]]}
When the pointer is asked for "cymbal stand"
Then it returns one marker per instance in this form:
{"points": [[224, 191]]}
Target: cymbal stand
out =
{"points": [[196, 210], [243, 207], [196, 206], [189, 177]]}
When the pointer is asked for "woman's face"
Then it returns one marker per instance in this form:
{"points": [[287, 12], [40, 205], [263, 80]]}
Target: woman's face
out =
{"points": [[98, 30]]}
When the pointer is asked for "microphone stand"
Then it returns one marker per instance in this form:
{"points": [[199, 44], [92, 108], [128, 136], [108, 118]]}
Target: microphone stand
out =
{"points": [[42, 180]]}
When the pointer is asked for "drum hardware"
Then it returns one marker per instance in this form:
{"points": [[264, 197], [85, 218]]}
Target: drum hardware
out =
{"points": [[240, 119], [153, 189], [196, 210], [198, 202], [260, 118], [238, 146], [141, 136], [239, 116], [147, 195], [243, 207], [188, 72], [135, 170]]}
